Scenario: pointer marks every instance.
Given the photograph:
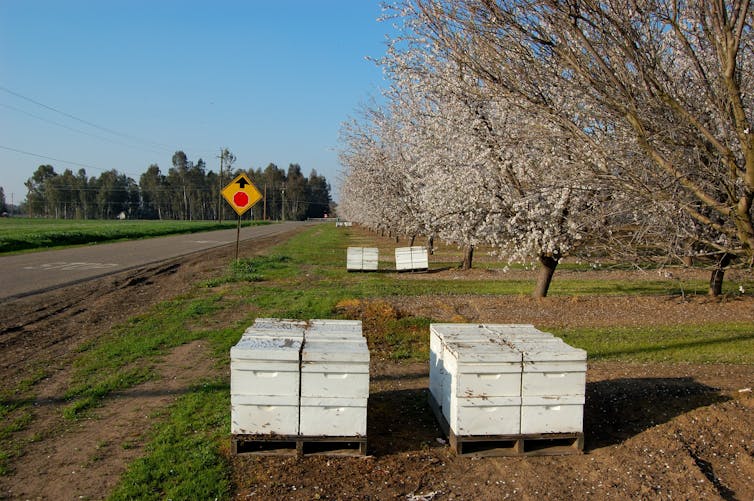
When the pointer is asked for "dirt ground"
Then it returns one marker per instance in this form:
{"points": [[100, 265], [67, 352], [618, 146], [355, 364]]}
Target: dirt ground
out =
{"points": [[652, 431]]}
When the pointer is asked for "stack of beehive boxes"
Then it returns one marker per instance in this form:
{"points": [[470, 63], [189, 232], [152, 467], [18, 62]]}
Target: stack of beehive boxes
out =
{"points": [[411, 258], [362, 258], [334, 379], [264, 378], [499, 379], [293, 378]]}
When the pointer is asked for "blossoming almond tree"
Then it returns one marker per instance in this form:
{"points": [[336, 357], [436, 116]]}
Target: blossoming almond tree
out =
{"points": [[676, 74], [481, 167]]}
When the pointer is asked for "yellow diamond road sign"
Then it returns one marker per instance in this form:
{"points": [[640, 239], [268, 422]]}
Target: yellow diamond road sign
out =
{"points": [[241, 194]]}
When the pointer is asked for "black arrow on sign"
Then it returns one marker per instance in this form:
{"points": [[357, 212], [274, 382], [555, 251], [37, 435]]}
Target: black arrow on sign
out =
{"points": [[242, 182]]}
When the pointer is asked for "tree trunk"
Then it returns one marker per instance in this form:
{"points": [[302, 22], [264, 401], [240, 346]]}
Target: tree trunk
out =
{"points": [[431, 244], [546, 271], [468, 257], [411, 241], [716, 278]]}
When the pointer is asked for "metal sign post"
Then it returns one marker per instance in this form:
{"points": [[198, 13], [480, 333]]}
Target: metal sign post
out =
{"points": [[242, 195]]}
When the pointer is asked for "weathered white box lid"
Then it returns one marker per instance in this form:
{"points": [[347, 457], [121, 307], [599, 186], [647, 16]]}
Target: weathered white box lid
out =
{"points": [[320, 350], [445, 329], [335, 329], [550, 352], [275, 327], [517, 331], [267, 348], [279, 323], [482, 352]]}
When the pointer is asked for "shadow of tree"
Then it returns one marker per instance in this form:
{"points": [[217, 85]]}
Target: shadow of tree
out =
{"points": [[618, 409]]}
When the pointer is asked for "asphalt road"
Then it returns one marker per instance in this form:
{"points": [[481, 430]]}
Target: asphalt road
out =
{"points": [[26, 274]]}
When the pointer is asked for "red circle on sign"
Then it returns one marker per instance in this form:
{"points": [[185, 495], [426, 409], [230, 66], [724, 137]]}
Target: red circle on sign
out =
{"points": [[241, 199]]}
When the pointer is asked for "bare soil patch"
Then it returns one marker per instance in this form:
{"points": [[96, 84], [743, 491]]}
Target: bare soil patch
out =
{"points": [[39, 336], [653, 431]]}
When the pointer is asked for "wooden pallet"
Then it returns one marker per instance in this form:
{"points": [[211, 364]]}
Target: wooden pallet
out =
{"points": [[541, 444], [263, 445]]}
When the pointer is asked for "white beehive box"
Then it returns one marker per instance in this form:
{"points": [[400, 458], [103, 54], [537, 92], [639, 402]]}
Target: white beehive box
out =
{"points": [[481, 369], [552, 369], [335, 417], [553, 414], [482, 375], [265, 366], [331, 368], [264, 381], [439, 334], [290, 378], [486, 416], [411, 258], [264, 415], [334, 379], [485, 387], [362, 258]]}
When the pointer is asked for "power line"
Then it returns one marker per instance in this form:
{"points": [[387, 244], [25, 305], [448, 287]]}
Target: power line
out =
{"points": [[64, 126], [78, 164], [87, 122]]}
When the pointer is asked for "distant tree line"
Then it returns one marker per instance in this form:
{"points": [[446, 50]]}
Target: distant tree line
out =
{"points": [[187, 192]]}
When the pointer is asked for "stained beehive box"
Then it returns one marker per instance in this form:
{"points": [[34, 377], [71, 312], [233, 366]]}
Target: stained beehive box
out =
{"points": [[265, 365], [439, 334], [411, 258], [276, 327], [552, 414], [485, 416], [264, 379], [332, 368], [264, 415], [552, 368], [362, 258], [481, 375], [337, 417]]}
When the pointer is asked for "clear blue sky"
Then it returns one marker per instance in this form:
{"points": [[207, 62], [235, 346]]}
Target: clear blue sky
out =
{"points": [[122, 84]]}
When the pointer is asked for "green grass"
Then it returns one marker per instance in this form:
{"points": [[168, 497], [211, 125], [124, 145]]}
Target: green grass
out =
{"points": [[182, 460], [710, 343], [23, 234]]}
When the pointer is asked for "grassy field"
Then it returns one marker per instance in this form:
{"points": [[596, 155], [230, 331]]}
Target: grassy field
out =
{"points": [[24, 234], [305, 278]]}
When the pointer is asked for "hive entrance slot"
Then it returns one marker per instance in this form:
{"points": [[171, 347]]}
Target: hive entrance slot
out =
{"points": [[487, 447], [265, 447]]}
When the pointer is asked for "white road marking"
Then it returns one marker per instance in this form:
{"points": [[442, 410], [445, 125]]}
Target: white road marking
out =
{"points": [[65, 266]]}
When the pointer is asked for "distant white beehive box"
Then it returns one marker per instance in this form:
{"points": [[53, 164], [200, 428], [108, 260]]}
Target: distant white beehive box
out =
{"points": [[264, 381], [411, 258], [362, 259]]}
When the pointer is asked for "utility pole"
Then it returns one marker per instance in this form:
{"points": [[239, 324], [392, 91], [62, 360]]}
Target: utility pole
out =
{"points": [[264, 204], [219, 194]]}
